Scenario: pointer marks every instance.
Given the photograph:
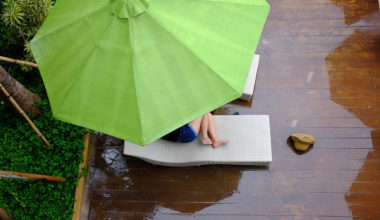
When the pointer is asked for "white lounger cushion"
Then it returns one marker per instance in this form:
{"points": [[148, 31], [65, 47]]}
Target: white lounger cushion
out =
{"points": [[251, 79], [250, 144]]}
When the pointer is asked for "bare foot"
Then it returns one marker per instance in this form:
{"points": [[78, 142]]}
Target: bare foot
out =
{"points": [[219, 143], [206, 141]]}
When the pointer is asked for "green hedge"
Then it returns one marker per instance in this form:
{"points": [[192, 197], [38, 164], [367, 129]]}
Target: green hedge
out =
{"points": [[22, 150]]}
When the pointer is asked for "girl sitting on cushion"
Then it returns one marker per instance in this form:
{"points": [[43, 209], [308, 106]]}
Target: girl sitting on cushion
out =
{"points": [[189, 132]]}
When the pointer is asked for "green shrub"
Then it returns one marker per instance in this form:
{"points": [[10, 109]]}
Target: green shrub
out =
{"points": [[22, 150], [24, 18]]}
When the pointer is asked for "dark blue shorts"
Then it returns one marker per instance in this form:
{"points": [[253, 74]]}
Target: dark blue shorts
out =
{"points": [[187, 134]]}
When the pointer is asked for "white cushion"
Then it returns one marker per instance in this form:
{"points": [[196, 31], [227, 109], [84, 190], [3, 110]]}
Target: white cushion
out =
{"points": [[250, 144]]}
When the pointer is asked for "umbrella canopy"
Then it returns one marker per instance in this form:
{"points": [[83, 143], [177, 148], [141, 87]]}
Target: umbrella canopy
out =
{"points": [[138, 69]]}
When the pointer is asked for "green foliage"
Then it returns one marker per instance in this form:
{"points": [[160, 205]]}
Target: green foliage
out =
{"points": [[12, 16], [24, 18], [22, 150], [28, 52], [35, 11]]}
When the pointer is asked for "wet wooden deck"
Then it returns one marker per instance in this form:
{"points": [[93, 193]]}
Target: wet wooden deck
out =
{"points": [[319, 73]]}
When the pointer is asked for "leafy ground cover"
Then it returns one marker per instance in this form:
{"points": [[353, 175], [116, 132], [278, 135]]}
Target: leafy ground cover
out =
{"points": [[22, 150]]}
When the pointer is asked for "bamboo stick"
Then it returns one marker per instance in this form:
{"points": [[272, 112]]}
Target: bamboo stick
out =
{"points": [[21, 62], [19, 109], [31, 176], [4, 215]]}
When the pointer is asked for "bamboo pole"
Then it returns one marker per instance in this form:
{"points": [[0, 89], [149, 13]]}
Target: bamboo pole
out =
{"points": [[31, 176], [19, 109], [4, 215], [21, 62]]}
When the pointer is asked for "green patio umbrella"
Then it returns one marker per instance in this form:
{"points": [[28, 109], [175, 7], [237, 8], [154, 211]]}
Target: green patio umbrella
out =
{"points": [[138, 69]]}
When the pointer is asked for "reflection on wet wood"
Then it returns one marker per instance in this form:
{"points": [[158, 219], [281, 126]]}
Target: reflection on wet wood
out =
{"points": [[319, 73]]}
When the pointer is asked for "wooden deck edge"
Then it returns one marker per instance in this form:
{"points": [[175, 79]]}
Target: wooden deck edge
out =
{"points": [[79, 192]]}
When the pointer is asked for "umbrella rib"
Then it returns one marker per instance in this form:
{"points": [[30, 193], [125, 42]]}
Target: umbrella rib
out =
{"points": [[65, 25], [72, 84], [132, 42], [81, 69], [189, 50]]}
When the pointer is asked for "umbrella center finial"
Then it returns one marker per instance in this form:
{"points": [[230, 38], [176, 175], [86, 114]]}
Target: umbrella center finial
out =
{"points": [[129, 8]]}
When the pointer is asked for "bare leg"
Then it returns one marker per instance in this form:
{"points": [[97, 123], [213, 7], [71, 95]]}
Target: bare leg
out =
{"points": [[196, 124], [211, 131], [201, 125], [204, 130]]}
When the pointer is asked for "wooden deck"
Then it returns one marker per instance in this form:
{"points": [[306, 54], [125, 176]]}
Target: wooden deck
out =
{"points": [[319, 73]]}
